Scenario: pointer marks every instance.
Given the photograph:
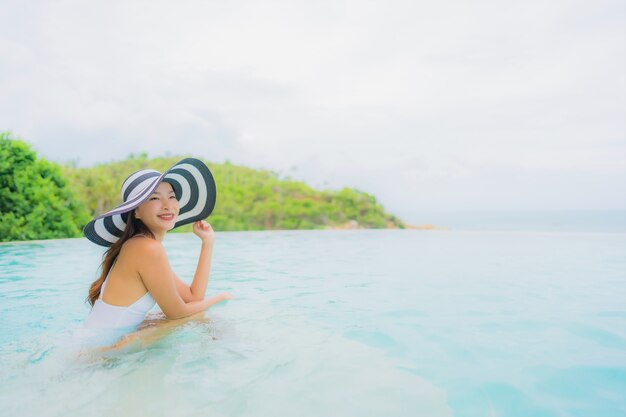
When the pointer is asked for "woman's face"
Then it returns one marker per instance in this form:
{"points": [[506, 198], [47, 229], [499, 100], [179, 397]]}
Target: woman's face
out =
{"points": [[160, 211]]}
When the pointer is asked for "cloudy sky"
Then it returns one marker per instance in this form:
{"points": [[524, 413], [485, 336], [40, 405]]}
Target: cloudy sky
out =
{"points": [[447, 105]]}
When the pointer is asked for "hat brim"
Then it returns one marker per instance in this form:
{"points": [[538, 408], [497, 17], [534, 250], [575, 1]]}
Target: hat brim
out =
{"points": [[195, 190]]}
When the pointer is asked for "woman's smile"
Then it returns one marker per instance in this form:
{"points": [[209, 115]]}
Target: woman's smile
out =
{"points": [[166, 216]]}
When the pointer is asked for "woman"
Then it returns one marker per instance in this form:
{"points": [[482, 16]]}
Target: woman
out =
{"points": [[136, 273]]}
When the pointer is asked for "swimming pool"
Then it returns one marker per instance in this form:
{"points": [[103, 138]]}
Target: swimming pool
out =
{"points": [[336, 323]]}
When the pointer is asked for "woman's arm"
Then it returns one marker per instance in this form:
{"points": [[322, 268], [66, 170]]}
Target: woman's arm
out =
{"points": [[198, 287], [152, 330], [159, 279]]}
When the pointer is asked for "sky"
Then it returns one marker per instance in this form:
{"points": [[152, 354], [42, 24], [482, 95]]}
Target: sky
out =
{"points": [[429, 106]]}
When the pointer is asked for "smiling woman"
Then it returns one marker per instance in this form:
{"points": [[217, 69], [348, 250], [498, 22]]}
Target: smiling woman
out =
{"points": [[160, 211], [135, 271]]}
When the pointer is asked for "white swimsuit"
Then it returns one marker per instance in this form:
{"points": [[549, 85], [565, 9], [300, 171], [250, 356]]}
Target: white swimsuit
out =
{"points": [[107, 316]]}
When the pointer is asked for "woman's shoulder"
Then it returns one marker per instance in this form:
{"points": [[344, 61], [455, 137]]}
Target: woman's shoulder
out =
{"points": [[144, 254], [143, 245]]}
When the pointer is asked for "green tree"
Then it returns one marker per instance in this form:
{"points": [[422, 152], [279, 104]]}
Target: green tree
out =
{"points": [[35, 202]]}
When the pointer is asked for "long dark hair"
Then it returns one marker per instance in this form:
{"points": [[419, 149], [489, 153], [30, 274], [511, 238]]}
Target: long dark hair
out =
{"points": [[134, 227]]}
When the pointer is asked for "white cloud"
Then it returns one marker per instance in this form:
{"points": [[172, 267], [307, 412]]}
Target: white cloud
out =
{"points": [[459, 101]]}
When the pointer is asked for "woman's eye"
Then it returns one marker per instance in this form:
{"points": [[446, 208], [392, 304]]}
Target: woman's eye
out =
{"points": [[174, 197], [154, 198]]}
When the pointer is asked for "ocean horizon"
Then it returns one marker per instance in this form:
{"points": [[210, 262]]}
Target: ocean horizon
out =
{"points": [[601, 221]]}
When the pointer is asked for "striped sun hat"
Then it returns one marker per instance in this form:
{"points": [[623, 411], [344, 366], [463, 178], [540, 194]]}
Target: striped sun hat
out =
{"points": [[193, 185]]}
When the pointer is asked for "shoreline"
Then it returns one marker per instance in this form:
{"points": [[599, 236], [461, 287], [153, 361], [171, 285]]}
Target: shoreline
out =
{"points": [[354, 225], [329, 228]]}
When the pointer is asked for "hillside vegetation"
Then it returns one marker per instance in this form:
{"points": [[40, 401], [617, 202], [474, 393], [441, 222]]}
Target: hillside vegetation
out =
{"points": [[35, 200], [40, 199], [247, 199]]}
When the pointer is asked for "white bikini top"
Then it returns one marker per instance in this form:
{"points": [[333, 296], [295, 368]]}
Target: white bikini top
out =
{"points": [[103, 315]]}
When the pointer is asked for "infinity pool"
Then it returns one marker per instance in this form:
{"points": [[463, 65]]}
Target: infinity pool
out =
{"points": [[335, 323]]}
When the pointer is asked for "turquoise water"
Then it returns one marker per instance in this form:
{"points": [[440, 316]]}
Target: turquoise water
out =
{"points": [[345, 323]]}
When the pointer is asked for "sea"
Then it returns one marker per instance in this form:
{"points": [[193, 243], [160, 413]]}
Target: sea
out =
{"points": [[508, 315]]}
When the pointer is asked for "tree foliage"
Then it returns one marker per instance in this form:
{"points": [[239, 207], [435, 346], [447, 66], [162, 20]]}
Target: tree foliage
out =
{"points": [[35, 201]]}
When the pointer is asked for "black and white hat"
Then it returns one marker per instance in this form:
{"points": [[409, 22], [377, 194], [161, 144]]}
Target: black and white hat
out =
{"points": [[193, 185]]}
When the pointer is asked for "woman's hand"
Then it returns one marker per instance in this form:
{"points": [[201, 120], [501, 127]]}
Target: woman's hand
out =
{"points": [[225, 296], [204, 231]]}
